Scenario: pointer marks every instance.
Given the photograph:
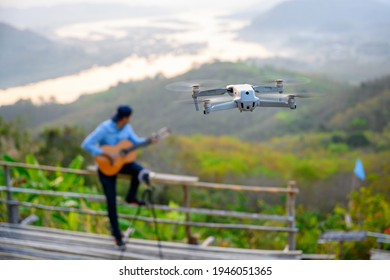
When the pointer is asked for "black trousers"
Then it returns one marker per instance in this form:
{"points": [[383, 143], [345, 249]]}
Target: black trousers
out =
{"points": [[109, 187]]}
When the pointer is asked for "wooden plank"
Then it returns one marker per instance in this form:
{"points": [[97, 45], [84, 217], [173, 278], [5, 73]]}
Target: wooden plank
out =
{"points": [[47, 168], [156, 177], [318, 256], [208, 241], [101, 198], [80, 252], [241, 188], [172, 178], [92, 236], [376, 254], [16, 256], [21, 252], [224, 213], [83, 248], [77, 251], [160, 221], [339, 236], [88, 196], [291, 213], [89, 237], [161, 178], [171, 250]]}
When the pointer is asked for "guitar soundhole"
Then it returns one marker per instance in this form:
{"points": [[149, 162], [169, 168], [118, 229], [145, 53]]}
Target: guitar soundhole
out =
{"points": [[122, 153]]}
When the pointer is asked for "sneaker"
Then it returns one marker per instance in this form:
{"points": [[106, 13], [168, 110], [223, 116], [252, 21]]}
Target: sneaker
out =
{"points": [[120, 244]]}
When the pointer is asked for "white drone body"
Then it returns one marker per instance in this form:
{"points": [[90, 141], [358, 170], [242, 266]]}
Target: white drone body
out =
{"points": [[244, 97]]}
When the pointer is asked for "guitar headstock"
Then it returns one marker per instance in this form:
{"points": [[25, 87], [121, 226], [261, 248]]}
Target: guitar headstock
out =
{"points": [[163, 133]]}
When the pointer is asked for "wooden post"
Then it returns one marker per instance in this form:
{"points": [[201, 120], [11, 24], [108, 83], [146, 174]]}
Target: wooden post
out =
{"points": [[341, 250], [187, 202], [291, 214], [12, 205]]}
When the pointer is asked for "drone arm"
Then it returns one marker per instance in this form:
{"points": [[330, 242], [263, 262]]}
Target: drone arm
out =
{"points": [[211, 92], [266, 89], [220, 107], [285, 104]]}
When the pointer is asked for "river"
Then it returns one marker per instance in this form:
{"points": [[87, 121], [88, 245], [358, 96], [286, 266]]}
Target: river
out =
{"points": [[217, 31]]}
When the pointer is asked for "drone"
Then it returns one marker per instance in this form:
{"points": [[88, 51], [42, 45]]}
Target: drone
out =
{"points": [[244, 97]]}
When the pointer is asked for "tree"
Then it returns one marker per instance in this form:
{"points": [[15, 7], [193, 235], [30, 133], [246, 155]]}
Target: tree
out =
{"points": [[60, 145]]}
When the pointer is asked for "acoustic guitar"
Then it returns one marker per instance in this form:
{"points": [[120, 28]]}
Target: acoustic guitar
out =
{"points": [[124, 152]]}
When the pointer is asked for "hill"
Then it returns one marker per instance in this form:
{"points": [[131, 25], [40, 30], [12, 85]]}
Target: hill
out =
{"points": [[155, 106], [27, 57], [337, 106], [344, 38]]}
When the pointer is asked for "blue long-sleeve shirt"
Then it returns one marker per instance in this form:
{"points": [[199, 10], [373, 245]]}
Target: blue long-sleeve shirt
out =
{"points": [[107, 133]]}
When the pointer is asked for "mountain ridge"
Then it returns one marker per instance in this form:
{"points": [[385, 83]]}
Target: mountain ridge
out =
{"points": [[29, 57], [346, 39], [155, 107]]}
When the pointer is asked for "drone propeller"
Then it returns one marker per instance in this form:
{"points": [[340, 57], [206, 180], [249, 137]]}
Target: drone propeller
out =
{"points": [[215, 91], [294, 81], [187, 85], [200, 101], [284, 95]]}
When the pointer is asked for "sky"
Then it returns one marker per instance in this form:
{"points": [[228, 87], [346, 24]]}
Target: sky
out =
{"points": [[190, 4], [195, 4]]}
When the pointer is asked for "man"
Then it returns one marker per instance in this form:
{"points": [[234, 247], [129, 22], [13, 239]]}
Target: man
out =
{"points": [[111, 132]]}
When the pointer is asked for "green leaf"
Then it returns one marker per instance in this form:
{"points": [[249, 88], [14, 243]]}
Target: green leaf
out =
{"points": [[17, 171], [36, 176], [73, 180]]}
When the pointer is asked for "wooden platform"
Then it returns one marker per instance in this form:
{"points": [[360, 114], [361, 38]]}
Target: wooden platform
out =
{"points": [[31, 242], [376, 254]]}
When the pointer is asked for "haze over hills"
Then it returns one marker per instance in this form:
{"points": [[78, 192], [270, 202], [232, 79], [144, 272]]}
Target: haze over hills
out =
{"points": [[330, 39], [46, 19], [345, 38], [28, 57]]}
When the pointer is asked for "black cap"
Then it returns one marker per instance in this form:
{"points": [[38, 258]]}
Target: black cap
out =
{"points": [[123, 111]]}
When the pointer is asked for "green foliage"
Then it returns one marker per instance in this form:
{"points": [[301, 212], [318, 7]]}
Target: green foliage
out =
{"points": [[338, 148], [357, 140], [321, 157], [368, 108], [14, 141], [359, 124], [370, 210], [60, 145]]}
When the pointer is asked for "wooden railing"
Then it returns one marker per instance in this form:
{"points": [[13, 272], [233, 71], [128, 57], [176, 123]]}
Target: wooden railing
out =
{"points": [[185, 182]]}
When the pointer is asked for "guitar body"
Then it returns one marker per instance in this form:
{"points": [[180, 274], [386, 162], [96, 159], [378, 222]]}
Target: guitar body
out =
{"points": [[104, 163]]}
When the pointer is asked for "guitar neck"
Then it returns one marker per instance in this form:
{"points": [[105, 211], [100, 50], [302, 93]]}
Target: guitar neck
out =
{"points": [[162, 133], [146, 143]]}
